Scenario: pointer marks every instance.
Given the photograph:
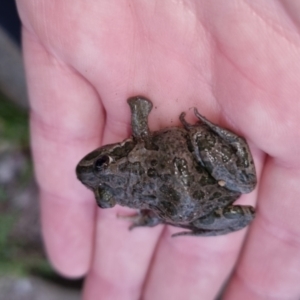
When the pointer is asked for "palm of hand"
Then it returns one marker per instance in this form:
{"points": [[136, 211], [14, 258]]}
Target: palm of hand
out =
{"points": [[236, 64]]}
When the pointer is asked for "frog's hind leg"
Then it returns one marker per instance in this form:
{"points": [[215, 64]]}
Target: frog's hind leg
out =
{"points": [[140, 108], [239, 170], [222, 221], [144, 218]]}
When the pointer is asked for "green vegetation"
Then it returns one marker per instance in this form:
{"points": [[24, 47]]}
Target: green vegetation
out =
{"points": [[13, 257], [17, 256], [13, 123]]}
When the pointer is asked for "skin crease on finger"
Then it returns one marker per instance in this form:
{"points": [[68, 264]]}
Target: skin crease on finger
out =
{"points": [[237, 62]]}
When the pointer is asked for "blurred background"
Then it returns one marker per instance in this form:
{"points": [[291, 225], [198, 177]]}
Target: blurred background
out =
{"points": [[24, 270]]}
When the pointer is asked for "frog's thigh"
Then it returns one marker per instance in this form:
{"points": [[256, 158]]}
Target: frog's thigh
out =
{"points": [[241, 175], [222, 221]]}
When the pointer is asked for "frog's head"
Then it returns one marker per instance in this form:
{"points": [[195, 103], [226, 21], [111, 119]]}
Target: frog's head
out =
{"points": [[101, 162]]}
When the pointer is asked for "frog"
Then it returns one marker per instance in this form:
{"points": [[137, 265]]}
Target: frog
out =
{"points": [[187, 176]]}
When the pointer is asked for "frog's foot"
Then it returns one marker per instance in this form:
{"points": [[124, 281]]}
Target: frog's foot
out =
{"points": [[203, 232], [144, 217], [222, 221]]}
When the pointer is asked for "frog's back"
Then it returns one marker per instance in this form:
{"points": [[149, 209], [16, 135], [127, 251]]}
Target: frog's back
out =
{"points": [[173, 184]]}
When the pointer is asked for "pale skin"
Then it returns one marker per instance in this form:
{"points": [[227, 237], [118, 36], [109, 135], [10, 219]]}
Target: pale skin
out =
{"points": [[238, 63]]}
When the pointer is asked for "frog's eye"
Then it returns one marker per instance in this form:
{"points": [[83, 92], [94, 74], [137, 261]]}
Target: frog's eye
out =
{"points": [[102, 163]]}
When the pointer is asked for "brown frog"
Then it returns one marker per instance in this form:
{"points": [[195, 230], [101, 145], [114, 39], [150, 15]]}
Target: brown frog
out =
{"points": [[186, 177]]}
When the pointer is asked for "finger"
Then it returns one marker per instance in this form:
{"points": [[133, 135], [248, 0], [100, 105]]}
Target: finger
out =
{"points": [[121, 258], [187, 266], [194, 265], [66, 122], [269, 267]]}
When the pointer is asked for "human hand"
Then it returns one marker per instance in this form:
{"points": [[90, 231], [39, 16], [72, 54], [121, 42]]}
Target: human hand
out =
{"points": [[237, 62]]}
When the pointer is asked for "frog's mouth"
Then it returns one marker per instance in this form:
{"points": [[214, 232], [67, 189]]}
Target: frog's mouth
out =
{"points": [[86, 175]]}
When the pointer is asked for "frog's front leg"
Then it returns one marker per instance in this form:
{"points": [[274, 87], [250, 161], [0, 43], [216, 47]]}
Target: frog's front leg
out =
{"points": [[224, 154], [145, 218], [222, 221]]}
